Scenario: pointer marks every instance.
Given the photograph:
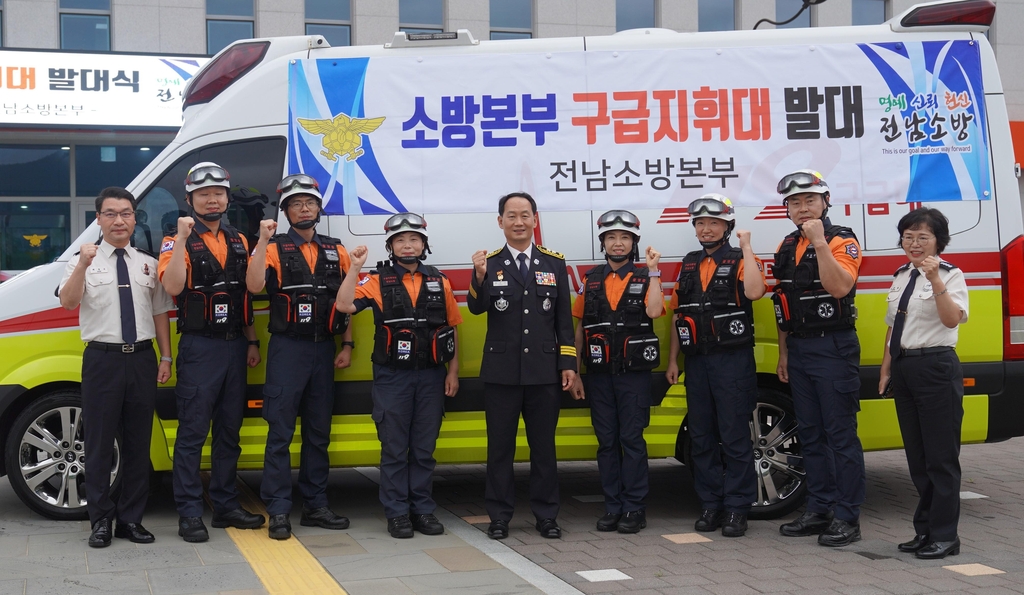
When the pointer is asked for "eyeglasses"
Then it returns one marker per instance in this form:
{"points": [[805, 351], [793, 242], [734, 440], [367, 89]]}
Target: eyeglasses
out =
{"points": [[799, 179], [919, 240], [708, 206], [207, 173], [624, 217], [410, 220], [298, 205], [111, 215], [300, 180]]}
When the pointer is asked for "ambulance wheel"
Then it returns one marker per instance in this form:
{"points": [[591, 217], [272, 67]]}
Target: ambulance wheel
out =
{"points": [[46, 457], [778, 464]]}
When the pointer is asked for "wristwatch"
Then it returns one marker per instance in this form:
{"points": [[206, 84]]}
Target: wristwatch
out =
{"points": [[654, 273], [348, 343], [256, 343]]}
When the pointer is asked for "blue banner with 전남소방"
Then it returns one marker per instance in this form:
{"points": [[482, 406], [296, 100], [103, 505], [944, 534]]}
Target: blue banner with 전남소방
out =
{"points": [[886, 122]]}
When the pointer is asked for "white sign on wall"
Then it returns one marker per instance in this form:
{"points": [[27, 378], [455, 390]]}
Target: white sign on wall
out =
{"points": [[76, 89]]}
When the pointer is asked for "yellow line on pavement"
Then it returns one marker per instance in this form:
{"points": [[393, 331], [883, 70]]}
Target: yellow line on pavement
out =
{"points": [[284, 567]]}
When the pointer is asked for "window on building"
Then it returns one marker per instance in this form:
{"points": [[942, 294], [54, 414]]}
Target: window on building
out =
{"points": [[97, 167], [869, 12], [85, 25], [330, 18], [35, 170], [34, 233], [634, 14], [785, 9], [511, 19], [228, 21], [716, 15], [421, 16]]}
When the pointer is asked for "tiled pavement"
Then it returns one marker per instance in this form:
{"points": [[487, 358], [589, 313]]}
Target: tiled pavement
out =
{"points": [[41, 556]]}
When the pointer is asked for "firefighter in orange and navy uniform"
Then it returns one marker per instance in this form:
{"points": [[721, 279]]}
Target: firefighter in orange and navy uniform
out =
{"points": [[615, 339]]}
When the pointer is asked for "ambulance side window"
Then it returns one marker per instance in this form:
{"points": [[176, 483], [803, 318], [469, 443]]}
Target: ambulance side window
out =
{"points": [[255, 167]]}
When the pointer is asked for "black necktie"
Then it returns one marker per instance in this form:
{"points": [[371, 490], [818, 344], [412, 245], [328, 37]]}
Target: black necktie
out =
{"points": [[524, 267], [901, 315], [124, 292]]}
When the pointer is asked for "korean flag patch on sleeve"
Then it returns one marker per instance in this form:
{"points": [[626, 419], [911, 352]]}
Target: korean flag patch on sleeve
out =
{"points": [[167, 246], [364, 280]]}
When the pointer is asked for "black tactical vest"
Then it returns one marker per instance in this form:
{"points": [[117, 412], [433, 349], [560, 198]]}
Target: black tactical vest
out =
{"points": [[622, 339], [718, 318], [215, 302], [802, 305], [303, 305], [412, 336]]}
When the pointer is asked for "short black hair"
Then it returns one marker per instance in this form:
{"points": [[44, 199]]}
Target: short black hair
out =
{"points": [[505, 199], [933, 219], [114, 192]]}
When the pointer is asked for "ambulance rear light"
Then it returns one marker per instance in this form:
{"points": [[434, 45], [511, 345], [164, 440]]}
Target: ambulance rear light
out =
{"points": [[965, 12], [224, 70], [1012, 257]]}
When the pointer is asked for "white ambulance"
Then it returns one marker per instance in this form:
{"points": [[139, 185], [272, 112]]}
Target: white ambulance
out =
{"points": [[896, 115]]}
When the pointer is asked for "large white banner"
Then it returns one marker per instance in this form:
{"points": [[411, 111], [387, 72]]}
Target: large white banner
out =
{"points": [[73, 89], [888, 122]]}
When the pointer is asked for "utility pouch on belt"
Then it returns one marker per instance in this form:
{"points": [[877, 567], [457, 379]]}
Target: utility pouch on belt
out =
{"points": [[642, 352], [381, 346], [442, 345], [732, 329], [782, 315], [280, 312], [598, 352], [305, 314], [820, 311], [220, 311], [247, 314], [337, 321], [403, 349], [195, 312], [686, 330]]}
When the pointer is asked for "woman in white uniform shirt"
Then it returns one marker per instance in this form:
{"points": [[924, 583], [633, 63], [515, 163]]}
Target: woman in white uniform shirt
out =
{"points": [[927, 302]]}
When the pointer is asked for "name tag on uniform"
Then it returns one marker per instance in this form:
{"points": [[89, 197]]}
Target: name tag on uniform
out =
{"points": [[433, 286], [636, 288], [98, 269], [545, 278], [332, 255], [500, 283]]}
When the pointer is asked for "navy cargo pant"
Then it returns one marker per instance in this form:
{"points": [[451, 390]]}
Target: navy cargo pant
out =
{"points": [[408, 406], [300, 381], [620, 409], [824, 377], [721, 389], [211, 386]]}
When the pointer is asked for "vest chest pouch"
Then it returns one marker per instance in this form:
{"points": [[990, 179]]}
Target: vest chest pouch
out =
{"points": [[686, 330], [598, 356], [642, 353], [220, 310], [732, 329], [782, 314], [194, 307], [442, 345], [820, 311], [403, 349], [280, 312], [337, 322], [305, 314]]}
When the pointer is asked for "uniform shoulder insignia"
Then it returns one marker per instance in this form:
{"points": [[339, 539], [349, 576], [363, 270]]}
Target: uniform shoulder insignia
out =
{"points": [[844, 232], [551, 252], [901, 269], [495, 253], [946, 266], [330, 240]]}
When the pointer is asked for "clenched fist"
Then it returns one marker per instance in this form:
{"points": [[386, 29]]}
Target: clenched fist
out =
{"points": [[480, 265], [930, 268], [268, 227], [185, 225], [87, 254], [814, 231], [743, 236], [358, 256], [653, 258]]}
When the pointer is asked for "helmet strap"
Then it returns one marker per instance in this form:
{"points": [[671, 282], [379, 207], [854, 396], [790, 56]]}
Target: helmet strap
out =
{"points": [[205, 216]]}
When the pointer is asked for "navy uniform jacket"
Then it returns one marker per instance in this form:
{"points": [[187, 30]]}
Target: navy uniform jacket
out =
{"points": [[529, 328]]}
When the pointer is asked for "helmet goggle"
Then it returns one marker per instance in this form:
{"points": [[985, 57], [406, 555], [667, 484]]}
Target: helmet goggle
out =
{"points": [[624, 219], [207, 173], [298, 180], [801, 179], [709, 207], [410, 221]]}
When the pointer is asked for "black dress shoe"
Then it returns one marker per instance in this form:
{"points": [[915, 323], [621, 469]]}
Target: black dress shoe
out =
{"points": [[709, 520], [238, 518], [426, 524], [498, 530], [734, 525], [633, 521], [134, 532], [809, 523], [937, 550], [609, 522], [839, 533], [323, 517], [549, 528], [918, 542], [280, 526], [192, 529], [100, 534], [400, 527]]}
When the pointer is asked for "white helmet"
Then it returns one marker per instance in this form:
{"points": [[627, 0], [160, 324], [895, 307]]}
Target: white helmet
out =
{"points": [[403, 222], [206, 174], [803, 180], [716, 206], [298, 184], [618, 220]]}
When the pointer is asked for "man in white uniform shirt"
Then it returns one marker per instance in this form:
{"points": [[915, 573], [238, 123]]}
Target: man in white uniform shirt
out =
{"points": [[124, 307]]}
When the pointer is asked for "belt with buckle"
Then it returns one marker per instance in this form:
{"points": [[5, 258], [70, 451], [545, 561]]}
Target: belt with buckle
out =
{"points": [[122, 347], [924, 351]]}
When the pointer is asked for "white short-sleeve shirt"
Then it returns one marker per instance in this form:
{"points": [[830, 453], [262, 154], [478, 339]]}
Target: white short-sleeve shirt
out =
{"points": [[923, 327]]}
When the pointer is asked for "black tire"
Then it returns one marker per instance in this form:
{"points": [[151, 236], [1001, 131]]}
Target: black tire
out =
{"points": [[45, 456], [778, 464]]}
